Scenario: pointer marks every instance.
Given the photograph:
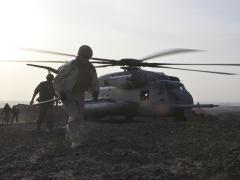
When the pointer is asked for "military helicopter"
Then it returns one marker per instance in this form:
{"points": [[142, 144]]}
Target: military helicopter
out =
{"points": [[137, 92]]}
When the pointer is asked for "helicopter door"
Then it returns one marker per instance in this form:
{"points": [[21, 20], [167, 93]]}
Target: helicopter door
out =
{"points": [[144, 96]]}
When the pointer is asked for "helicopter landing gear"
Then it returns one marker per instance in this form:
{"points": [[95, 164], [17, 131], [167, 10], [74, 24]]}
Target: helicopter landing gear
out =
{"points": [[180, 115]]}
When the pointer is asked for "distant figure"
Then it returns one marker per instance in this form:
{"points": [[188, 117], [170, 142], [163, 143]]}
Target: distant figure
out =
{"points": [[46, 92], [15, 113], [73, 79], [6, 113]]}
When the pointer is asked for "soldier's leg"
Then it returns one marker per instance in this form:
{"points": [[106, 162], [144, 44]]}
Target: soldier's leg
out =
{"points": [[71, 107], [50, 118], [74, 120], [42, 115]]}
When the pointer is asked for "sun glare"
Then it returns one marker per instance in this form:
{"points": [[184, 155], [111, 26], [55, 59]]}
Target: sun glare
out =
{"points": [[22, 24]]}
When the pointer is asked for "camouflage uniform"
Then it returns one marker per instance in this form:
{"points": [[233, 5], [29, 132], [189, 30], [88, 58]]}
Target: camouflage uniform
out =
{"points": [[73, 79]]}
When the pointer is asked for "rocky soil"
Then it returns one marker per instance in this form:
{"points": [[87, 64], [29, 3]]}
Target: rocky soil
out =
{"points": [[204, 147]]}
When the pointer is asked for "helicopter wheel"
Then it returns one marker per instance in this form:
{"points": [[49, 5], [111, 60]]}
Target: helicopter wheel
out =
{"points": [[180, 115]]}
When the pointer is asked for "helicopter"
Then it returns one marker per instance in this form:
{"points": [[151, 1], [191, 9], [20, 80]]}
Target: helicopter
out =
{"points": [[137, 92]]}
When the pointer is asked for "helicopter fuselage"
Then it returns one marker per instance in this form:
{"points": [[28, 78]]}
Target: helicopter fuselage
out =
{"points": [[140, 93]]}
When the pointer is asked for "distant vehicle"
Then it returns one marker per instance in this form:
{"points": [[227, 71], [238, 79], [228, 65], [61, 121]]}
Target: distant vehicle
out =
{"points": [[136, 92]]}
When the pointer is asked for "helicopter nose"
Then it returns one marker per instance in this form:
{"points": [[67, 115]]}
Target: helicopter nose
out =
{"points": [[181, 97], [184, 97]]}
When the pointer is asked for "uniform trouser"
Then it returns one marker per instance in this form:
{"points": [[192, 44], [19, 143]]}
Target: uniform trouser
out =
{"points": [[45, 114], [74, 106]]}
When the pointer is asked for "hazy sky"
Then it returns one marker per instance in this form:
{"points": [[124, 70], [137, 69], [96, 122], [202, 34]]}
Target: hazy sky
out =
{"points": [[119, 29]]}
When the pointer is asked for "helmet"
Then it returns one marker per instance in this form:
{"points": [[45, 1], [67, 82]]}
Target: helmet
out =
{"points": [[85, 52], [49, 77]]}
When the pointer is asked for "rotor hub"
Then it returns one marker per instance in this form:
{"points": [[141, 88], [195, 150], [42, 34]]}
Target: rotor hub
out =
{"points": [[127, 68], [129, 62]]}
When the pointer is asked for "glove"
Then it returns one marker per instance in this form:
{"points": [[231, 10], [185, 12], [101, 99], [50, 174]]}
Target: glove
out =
{"points": [[63, 96], [95, 96]]}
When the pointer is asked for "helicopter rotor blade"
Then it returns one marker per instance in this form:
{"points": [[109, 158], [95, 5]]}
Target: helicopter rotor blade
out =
{"points": [[103, 59], [190, 64], [61, 54], [56, 71], [213, 72], [45, 67], [169, 52], [143, 64], [47, 52], [103, 66], [103, 62], [37, 61]]}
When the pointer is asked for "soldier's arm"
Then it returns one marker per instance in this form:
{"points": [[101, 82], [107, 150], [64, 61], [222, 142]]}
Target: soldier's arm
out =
{"points": [[36, 91]]}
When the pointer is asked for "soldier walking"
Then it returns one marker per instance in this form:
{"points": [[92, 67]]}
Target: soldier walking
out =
{"points": [[15, 113], [46, 92], [73, 79], [6, 113]]}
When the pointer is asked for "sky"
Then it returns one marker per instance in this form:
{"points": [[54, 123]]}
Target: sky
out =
{"points": [[118, 29]]}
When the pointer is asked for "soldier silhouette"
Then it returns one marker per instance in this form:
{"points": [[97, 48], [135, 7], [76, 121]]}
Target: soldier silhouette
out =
{"points": [[72, 80], [6, 113], [46, 92]]}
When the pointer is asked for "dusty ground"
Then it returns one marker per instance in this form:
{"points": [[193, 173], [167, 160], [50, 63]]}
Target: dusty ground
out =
{"points": [[201, 148]]}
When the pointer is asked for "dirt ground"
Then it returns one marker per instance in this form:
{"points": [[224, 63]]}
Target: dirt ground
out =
{"points": [[204, 147]]}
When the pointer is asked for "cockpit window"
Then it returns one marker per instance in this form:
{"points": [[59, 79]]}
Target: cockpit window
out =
{"points": [[175, 86]]}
